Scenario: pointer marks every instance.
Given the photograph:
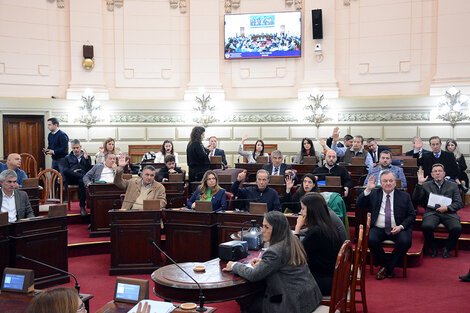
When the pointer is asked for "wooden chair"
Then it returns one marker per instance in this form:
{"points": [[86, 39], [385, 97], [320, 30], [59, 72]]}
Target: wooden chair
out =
{"points": [[48, 178], [443, 232], [361, 278], [356, 269], [71, 189], [341, 280], [29, 165]]}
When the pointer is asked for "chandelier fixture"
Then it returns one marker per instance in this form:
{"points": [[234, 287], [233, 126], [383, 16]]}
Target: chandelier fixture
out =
{"points": [[316, 109], [89, 110], [204, 112], [453, 106]]}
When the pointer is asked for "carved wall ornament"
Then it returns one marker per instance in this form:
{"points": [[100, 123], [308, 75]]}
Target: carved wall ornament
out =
{"points": [[145, 118], [298, 5], [60, 3], [383, 116], [261, 118], [110, 4], [289, 2]]}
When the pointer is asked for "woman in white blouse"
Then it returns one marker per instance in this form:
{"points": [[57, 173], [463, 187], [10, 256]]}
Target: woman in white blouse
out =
{"points": [[257, 151]]}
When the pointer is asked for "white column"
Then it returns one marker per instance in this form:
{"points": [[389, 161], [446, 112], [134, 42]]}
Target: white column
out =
{"points": [[205, 49], [86, 26]]}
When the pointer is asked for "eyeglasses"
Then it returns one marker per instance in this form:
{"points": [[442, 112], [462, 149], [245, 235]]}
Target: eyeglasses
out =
{"points": [[82, 308]]}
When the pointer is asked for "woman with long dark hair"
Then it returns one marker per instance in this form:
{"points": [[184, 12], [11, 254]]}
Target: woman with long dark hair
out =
{"points": [[258, 150], [291, 201], [306, 150], [289, 285], [322, 240], [451, 146], [209, 190], [196, 154]]}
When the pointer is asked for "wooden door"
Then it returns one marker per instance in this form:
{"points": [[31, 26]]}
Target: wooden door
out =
{"points": [[24, 133]]}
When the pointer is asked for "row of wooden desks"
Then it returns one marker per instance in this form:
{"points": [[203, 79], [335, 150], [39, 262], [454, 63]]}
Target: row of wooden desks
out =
{"points": [[42, 239]]}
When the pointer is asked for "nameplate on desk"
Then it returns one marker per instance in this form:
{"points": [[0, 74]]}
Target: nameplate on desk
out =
{"points": [[276, 179], [203, 206], [258, 208], [357, 161], [224, 178], [333, 181], [175, 178], [151, 205], [410, 162], [30, 183], [17, 280], [57, 210], [216, 159], [262, 160], [310, 160]]}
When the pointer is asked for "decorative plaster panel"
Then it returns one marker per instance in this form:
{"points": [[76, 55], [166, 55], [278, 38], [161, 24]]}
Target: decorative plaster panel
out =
{"points": [[461, 132], [252, 132], [280, 132], [220, 132], [162, 133], [266, 73], [183, 132], [428, 131], [80, 133], [145, 118], [382, 116], [303, 131], [326, 131], [261, 117], [367, 131], [129, 133], [403, 132], [101, 133]]}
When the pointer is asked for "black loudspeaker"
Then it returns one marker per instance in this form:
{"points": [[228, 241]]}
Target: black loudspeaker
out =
{"points": [[317, 25]]}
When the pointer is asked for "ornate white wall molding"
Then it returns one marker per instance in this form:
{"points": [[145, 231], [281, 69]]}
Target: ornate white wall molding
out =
{"points": [[110, 4], [174, 4], [231, 4], [382, 116], [145, 118]]}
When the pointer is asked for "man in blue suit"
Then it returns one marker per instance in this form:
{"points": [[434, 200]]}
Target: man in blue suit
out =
{"points": [[392, 219], [214, 151], [374, 150]]}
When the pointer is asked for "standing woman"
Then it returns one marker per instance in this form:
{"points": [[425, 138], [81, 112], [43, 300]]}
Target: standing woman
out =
{"points": [[451, 146], [209, 190], [289, 285], [307, 149], [108, 147], [322, 240], [257, 151], [196, 154]]}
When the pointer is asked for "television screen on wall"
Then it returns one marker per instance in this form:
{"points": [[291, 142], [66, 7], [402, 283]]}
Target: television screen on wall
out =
{"points": [[263, 35]]}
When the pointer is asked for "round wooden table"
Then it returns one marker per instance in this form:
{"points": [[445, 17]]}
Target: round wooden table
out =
{"points": [[172, 284]]}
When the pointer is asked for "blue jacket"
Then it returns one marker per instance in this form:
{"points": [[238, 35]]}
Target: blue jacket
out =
{"points": [[253, 194], [219, 200], [19, 172], [72, 164], [59, 143]]}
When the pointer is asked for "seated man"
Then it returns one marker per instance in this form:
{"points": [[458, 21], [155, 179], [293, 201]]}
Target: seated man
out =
{"points": [[375, 150], [15, 202], [77, 164], [139, 189], [260, 194], [439, 213], [102, 172], [385, 165], [332, 169], [385, 203], [277, 167], [14, 163], [348, 140], [170, 168], [357, 150], [418, 150], [439, 156], [214, 151]]}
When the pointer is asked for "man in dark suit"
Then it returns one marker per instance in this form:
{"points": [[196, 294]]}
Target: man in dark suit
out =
{"points": [[13, 201], [374, 150], [77, 164], [445, 158], [277, 167], [385, 203], [439, 212], [214, 151], [417, 151]]}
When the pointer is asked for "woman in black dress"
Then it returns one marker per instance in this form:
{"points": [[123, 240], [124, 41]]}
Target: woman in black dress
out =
{"points": [[197, 155]]}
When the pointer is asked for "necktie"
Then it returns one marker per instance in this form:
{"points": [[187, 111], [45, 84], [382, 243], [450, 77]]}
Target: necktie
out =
{"points": [[388, 216], [276, 171], [436, 155]]}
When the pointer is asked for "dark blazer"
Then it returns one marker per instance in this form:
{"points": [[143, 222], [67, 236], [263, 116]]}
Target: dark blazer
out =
{"points": [[221, 153], [198, 162], [448, 189], [416, 155], [23, 207], [403, 210], [289, 288], [219, 200], [94, 174], [253, 194], [282, 170], [446, 158], [71, 164], [379, 150], [322, 171]]}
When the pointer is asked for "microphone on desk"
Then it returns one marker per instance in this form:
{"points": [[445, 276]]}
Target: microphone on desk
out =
{"points": [[22, 257], [201, 307]]}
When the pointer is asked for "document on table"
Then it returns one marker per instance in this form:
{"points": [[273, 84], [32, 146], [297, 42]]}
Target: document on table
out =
{"points": [[155, 306], [438, 199]]}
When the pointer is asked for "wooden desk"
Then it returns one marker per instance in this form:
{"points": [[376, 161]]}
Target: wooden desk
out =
{"points": [[303, 169], [4, 247], [11, 302], [33, 195], [172, 284], [190, 235], [45, 240], [115, 307], [175, 195], [131, 253], [102, 197], [356, 173], [251, 169], [337, 189]]}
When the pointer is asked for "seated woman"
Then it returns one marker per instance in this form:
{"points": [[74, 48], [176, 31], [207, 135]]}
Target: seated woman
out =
{"points": [[451, 146], [322, 240], [289, 285], [159, 157], [307, 150], [252, 156], [108, 147], [57, 300], [209, 190]]}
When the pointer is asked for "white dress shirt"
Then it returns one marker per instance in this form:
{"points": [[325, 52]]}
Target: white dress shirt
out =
{"points": [[107, 174], [381, 218], [8, 205]]}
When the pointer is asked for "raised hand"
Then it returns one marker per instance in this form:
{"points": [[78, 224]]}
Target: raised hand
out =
{"points": [[289, 183], [101, 149], [145, 309], [371, 183], [85, 154], [421, 178], [322, 142], [245, 137], [335, 134], [123, 160], [241, 176]]}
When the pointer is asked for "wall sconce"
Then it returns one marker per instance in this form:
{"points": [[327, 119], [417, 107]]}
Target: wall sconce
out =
{"points": [[452, 106], [205, 113], [89, 109], [88, 62], [316, 109]]}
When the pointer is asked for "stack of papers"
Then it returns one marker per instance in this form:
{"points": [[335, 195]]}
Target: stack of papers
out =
{"points": [[155, 306]]}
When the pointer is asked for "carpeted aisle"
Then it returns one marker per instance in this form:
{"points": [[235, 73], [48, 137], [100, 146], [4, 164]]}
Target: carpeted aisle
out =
{"points": [[432, 287]]}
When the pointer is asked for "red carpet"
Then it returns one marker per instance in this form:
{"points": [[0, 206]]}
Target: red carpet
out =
{"points": [[432, 287], [79, 233]]}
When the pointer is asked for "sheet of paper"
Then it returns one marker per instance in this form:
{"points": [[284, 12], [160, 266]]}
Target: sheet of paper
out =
{"points": [[438, 199], [155, 306]]}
